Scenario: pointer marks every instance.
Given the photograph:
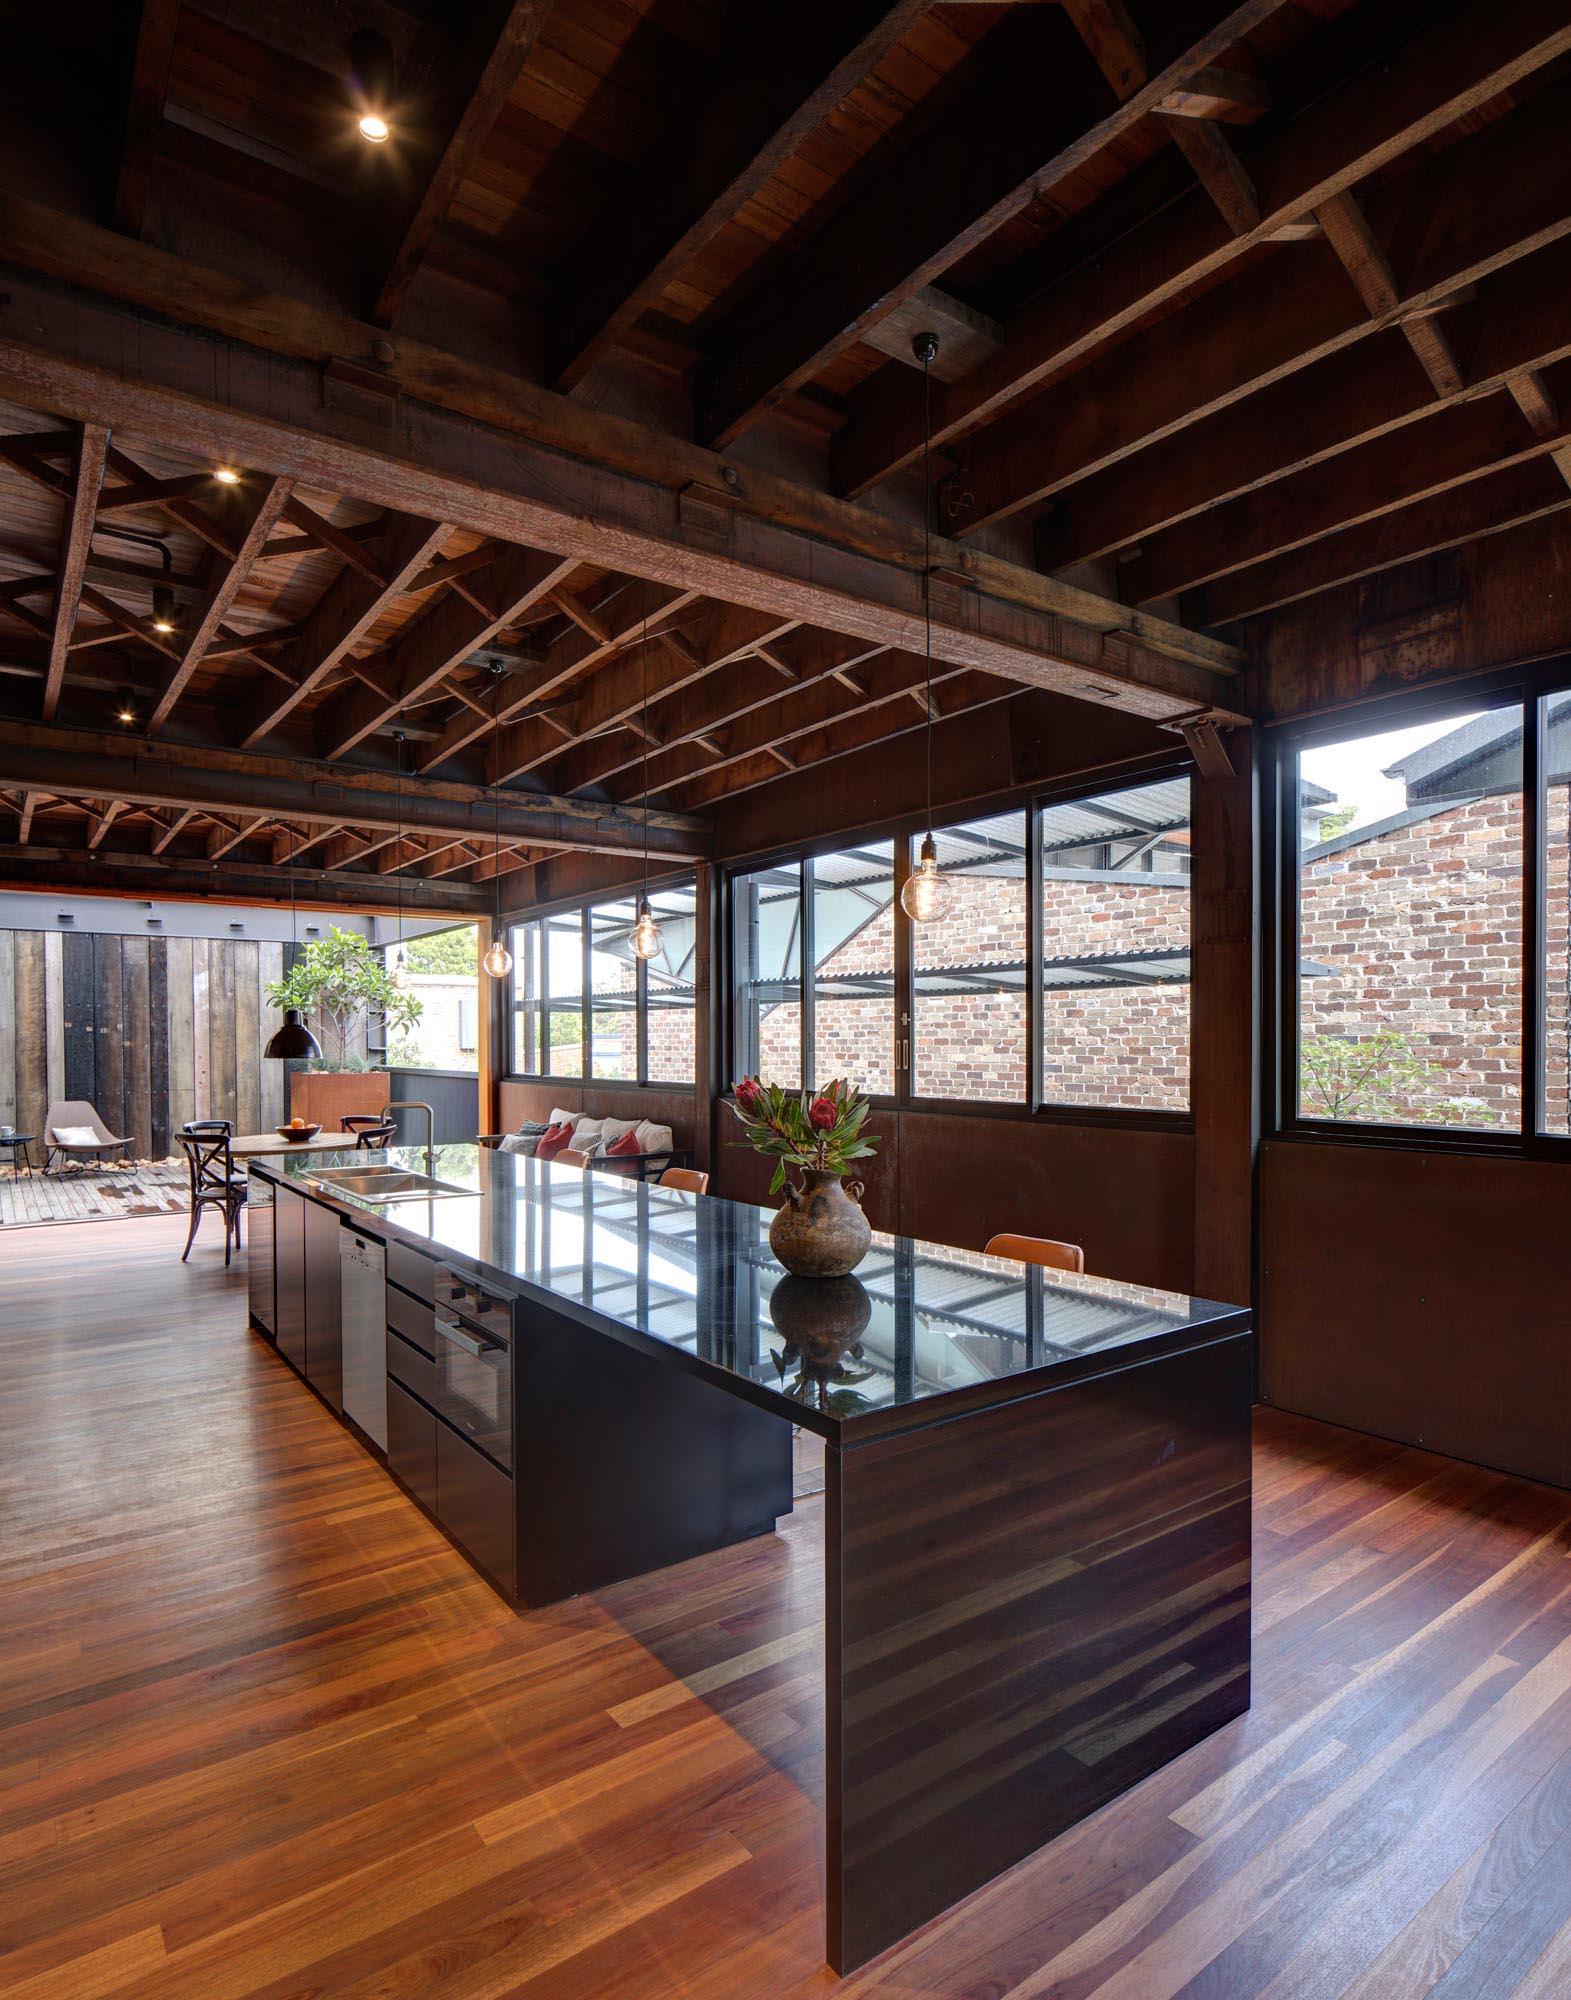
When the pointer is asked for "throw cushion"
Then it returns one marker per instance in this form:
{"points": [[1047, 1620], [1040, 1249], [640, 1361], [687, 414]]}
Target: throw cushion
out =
{"points": [[551, 1141], [587, 1134], [653, 1138], [74, 1135], [625, 1145], [521, 1142], [615, 1128], [568, 1118]]}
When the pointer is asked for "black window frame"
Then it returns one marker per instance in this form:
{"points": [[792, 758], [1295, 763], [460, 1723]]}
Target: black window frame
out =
{"points": [[513, 1006], [1530, 687], [905, 831]]}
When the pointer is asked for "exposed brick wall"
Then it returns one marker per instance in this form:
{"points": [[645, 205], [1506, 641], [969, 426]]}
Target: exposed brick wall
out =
{"points": [[1126, 1046], [1422, 927]]}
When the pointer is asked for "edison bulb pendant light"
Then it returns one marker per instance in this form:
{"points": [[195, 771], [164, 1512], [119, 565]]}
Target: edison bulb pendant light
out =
{"points": [[645, 934], [926, 892], [498, 960], [400, 972]]}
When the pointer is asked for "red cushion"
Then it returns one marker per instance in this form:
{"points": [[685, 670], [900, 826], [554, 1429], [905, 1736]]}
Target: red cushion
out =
{"points": [[552, 1140], [628, 1143]]}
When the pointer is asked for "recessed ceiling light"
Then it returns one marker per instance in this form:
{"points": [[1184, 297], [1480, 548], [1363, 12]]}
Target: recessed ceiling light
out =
{"points": [[163, 608], [127, 714], [226, 475], [373, 84]]}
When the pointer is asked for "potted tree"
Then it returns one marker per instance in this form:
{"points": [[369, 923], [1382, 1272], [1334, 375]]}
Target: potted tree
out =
{"points": [[342, 987]]}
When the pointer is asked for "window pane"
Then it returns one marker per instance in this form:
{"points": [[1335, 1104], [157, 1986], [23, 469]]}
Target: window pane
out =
{"points": [[672, 1017], [1556, 821], [524, 943], [767, 961], [613, 991], [853, 956], [564, 975], [968, 1037], [1410, 925], [1115, 949]]}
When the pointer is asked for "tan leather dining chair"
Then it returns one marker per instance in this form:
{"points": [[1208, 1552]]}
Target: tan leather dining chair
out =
{"points": [[569, 1157], [688, 1179], [1043, 1250]]}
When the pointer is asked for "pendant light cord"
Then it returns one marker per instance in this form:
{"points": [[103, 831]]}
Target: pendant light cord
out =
{"points": [[496, 798], [927, 560], [643, 601], [399, 850]]}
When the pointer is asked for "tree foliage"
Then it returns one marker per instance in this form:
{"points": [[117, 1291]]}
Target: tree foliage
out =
{"points": [[1379, 1080], [341, 985], [445, 954]]}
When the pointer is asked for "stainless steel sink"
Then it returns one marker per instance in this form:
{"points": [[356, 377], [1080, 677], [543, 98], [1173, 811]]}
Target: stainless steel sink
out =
{"points": [[387, 1184]]}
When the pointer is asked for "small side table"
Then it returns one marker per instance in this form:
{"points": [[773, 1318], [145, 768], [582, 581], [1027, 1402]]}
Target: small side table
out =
{"points": [[17, 1145]]}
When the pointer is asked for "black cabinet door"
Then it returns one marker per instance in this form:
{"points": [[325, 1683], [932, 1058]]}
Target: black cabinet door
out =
{"points": [[289, 1211], [324, 1357], [474, 1503], [411, 1444], [262, 1276]]}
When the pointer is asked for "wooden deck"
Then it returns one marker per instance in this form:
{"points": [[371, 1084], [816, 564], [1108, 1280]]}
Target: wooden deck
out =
{"points": [[264, 1735], [149, 1188]]}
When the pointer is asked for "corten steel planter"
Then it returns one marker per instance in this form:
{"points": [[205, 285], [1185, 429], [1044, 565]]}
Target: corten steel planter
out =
{"points": [[324, 1096], [820, 1232]]}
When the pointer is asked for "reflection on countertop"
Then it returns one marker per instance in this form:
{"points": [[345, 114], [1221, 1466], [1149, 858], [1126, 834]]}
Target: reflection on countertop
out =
{"points": [[936, 1328]]}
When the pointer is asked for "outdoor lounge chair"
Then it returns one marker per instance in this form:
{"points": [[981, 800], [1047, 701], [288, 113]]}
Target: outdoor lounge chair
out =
{"points": [[73, 1130]]}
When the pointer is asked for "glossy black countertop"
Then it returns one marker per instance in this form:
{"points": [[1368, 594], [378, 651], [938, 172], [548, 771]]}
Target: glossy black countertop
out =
{"points": [[919, 1333]]}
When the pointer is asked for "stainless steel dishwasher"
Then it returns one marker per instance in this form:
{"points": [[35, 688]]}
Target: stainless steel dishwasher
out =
{"points": [[362, 1268]]}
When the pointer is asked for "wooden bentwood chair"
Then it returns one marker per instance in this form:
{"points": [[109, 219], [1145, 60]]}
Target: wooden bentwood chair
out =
{"points": [[371, 1130], [688, 1179], [1043, 1250], [214, 1181]]}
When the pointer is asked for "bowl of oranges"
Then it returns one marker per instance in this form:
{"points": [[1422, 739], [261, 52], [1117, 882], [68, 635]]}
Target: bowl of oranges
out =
{"points": [[297, 1129]]}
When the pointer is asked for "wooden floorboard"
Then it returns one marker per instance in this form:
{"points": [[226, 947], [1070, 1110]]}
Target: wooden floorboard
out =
{"points": [[263, 1735]]}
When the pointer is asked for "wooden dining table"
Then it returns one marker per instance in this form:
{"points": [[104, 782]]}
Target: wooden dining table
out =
{"points": [[252, 1145]]}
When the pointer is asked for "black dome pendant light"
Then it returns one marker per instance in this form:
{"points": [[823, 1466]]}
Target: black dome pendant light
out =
{"points": [[292, 1040]]}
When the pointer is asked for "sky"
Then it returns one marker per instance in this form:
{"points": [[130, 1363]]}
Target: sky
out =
{"points": [[1353, 769]]}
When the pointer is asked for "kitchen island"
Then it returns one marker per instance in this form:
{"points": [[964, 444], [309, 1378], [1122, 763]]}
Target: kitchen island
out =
{"points": [[1036, 1567]]}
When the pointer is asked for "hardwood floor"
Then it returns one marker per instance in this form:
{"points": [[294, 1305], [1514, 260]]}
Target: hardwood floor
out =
{"points": [[264, 1736]]}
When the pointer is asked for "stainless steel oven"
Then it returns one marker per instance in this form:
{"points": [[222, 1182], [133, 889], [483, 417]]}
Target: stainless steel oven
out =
{"points": [[473, 1380]]}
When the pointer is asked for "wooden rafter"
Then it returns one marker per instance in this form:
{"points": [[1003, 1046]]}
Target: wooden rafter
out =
{"points": [[1471, 55], [100, 822], [306, 791], [704, 712], [343, 615], [1199, 367], [770, 91], [267, 500], [1349, 399], [172, 828], [616, 692], [1042, 633], [1013, 136], [452, 629], [569, 657], [499, 36], [228, 835], [1520, 492], [76, 535], [1448, 448], [147, 85]]}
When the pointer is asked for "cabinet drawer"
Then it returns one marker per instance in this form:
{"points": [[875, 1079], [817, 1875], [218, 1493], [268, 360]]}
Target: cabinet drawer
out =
{"points": [[411, 1444], [474, 1503], [415, 1273], [417, 1323], [408, 1365]]}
